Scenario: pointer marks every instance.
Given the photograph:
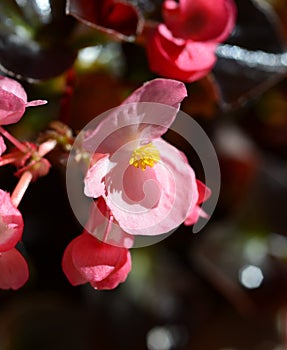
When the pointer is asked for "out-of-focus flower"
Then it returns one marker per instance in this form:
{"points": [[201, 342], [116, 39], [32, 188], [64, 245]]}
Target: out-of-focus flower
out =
{"points": [[104, 266], [118, 18], [184, 46], [146, 183], [11, 223], [13, 101], [14, 271]]}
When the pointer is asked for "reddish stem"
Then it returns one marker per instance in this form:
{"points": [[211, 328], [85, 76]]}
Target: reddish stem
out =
{"points": [[13, 140], [21, 188]]}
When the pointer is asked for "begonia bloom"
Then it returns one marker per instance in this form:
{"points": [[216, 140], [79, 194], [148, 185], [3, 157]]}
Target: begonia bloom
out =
{"points": [[146, 183], [14, 271], [88, 260], [11, 223], [13, 101], [183, 47]]}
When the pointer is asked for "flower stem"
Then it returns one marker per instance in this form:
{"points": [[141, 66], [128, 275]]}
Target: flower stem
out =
{"points": [[21, 188], [13, 140]]}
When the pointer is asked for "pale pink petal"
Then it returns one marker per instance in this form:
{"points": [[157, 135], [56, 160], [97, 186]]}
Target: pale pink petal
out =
{"points": [[14, 271], [11, 223], [13, 87], [185, 60], [117, 277], [165, 91], [12, 107], [154, 201], [139, 116], [2, 146], [94, 184], [203, 194], [102, 225], [72, 274]]}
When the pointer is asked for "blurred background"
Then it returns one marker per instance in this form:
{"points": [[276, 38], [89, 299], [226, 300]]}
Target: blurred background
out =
{"points": [[224, 288]]}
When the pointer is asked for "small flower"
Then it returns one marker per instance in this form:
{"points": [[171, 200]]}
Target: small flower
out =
{"points": [[146, 183], [13, 101], [88, 260], [183, 47], [14, 271], [11, 223]]}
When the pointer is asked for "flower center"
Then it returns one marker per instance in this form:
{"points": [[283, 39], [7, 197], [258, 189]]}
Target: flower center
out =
{"points": [[146, 155]]}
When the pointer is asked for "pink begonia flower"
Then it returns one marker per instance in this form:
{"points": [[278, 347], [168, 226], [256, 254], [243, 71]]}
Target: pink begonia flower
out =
{"points": [[86, 259], [183, 47], [146, 183], [11, 223], [13, 101], [14, 271]]}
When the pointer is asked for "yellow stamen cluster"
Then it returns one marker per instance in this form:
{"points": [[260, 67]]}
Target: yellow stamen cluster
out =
{"points": [[146, 155]]}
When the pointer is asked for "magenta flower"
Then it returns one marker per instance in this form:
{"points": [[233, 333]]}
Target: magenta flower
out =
{"points": [[183, 47], [146, 183], [13, 101], [88, 260], [14, 271]]}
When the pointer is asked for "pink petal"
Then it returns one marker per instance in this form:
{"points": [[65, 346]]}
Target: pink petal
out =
{"points": [[14, 271], [69, 269], [135, 119], [94, 185], [12, 107], [117, 277], [2, 146], [204, 193], [102, 226], [11, 223], [13, 87], [158, 199]]}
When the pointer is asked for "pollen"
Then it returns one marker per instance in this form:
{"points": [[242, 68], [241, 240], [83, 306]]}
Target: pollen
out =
{"points": [[146, 155]]}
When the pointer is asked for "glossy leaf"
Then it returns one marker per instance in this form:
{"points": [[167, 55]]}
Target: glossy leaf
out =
{"points": [[33, 39], [118, 18], [253, 58]]}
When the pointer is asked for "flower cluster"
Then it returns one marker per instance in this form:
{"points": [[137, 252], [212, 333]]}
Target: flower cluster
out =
{"points": [[29, 160], [181, 47]]}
